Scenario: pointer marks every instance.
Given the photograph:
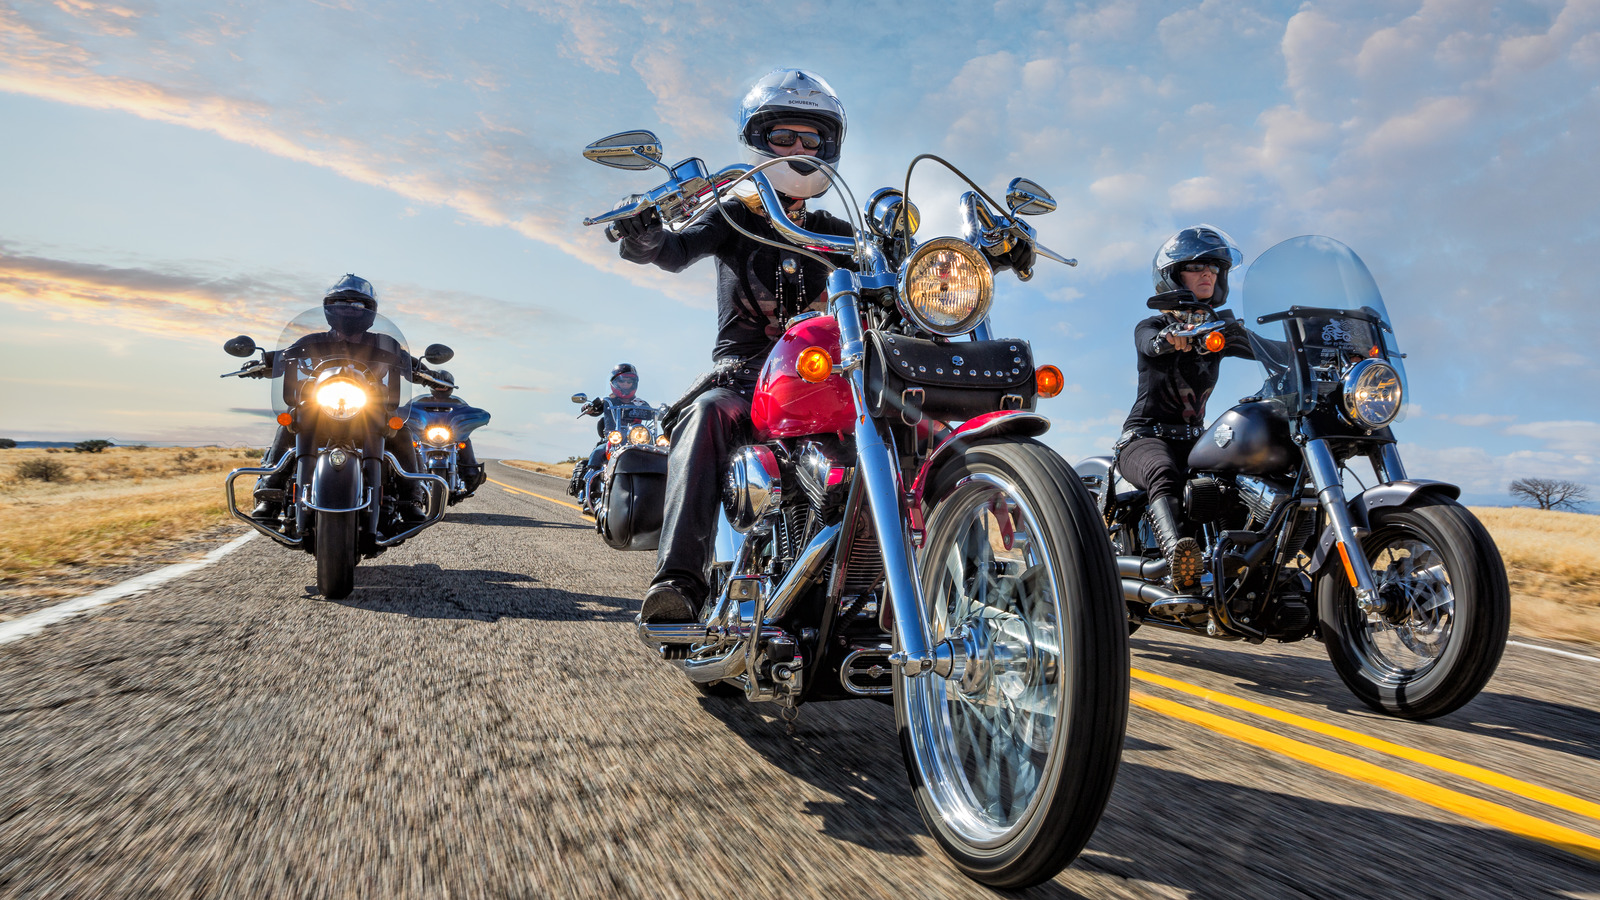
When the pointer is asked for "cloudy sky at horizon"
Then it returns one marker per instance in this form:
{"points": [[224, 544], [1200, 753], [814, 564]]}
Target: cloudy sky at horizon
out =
{"points": [[179, 172]]}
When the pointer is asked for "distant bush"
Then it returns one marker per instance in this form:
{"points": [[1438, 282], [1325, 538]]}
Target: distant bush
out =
{"points": [[41, 469], [186, 456], [94, 446], [7, 444]]}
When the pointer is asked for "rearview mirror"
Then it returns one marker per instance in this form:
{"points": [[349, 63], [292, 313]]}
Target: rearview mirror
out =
{"points": [[626, 150], [438, 354], [239, 346], [580, 398], [1027, 198]]}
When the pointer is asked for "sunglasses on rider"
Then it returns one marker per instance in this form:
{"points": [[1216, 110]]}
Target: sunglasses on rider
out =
{"points": [[1195, 268], [785, 137]]}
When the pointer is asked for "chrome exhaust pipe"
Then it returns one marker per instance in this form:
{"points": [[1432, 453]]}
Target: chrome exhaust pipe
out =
{"points": [[804, 571]]}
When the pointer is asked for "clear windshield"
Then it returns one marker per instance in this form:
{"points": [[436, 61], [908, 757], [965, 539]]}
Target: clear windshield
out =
{"points": [[310, 352], [1325, 314]]}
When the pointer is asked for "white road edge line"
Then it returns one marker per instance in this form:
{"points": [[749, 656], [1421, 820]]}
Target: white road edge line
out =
{"points": [[33, 623], [1567, 653]]}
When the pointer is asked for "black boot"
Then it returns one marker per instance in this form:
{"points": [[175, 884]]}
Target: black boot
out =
{"points": [[1182, 553], [414, 509], [269, 504], [667, 603]]}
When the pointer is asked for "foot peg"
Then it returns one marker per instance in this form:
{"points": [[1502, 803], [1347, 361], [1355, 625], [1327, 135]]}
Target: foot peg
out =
{"points": [[657, 633]]}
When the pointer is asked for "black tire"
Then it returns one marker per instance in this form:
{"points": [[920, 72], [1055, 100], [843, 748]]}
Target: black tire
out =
{"points": [[1058, 726], [336, 554], [1461, 658]]}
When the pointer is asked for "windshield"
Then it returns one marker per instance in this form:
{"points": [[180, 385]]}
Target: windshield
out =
{"points": [[1324, 315], [309, 350]]}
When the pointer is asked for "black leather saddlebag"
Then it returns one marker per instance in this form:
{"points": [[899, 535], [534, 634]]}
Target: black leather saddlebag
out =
{"points": [[635, 494], [914, 378]]}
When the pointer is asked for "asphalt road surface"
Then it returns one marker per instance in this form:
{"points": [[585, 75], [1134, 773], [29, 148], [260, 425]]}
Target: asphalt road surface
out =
{"points": [[478, 720]]}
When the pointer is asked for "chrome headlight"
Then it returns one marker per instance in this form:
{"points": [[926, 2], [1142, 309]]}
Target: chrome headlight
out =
{"points": [[437, 434], [946, 286], [638, 434], [614, 438], [341, 398], [1370, 393]]}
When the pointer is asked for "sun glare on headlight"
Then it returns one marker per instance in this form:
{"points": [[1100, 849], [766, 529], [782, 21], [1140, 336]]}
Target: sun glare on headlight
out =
{"points": [[438, 434], [341, 399]]}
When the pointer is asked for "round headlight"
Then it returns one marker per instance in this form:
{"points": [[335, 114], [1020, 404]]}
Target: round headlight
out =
{"points": [[614, 438], [638, 434], [438, 434], [341, 398], [946, 287], [1371, 393]]}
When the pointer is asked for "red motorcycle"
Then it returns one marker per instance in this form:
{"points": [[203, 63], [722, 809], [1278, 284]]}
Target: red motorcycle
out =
{"points": [[876, 549]]}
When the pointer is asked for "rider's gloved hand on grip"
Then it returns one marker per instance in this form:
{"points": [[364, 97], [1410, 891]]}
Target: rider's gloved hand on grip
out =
{"points": [[639, 225]]}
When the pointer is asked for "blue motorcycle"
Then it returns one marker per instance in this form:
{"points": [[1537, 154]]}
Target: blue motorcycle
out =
{"points": [[443, 424]]}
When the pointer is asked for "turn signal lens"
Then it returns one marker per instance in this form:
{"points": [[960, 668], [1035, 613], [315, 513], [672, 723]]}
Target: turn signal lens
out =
{"points": [[1049, 381], [1215, 342], [284, 419], [814, 365], [396, 423], [663, 441]]}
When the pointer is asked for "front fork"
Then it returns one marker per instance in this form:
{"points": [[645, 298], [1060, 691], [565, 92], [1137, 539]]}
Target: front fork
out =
{"points": [[881, 473], [1330, 494]]}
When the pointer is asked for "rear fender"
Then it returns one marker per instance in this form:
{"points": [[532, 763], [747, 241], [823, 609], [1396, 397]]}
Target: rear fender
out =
{"points": [[1005, 421], [1383, 496]]}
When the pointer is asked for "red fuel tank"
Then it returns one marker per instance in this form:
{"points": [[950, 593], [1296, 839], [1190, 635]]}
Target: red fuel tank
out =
{"points": [[787, 405]]}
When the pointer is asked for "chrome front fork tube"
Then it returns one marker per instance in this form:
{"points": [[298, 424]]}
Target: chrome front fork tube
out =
{"points": [[1330, 494], [880, 472]]}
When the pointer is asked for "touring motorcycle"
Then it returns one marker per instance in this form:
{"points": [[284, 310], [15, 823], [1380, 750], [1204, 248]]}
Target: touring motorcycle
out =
{"points": [[622, 424], [1401, 583], [443, 428], [340, 396], [873, 549]]}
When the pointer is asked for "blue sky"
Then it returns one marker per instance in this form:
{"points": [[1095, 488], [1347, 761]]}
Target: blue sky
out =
{"points": [[175, 173]]}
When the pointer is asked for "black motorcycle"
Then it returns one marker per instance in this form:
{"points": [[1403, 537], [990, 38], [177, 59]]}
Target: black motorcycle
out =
{"points": [[346, 496], [629, 462], [1402, 583]]}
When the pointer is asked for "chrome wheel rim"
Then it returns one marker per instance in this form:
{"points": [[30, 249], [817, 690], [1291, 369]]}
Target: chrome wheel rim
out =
{"points": [[986, 737], [1408, 638]]}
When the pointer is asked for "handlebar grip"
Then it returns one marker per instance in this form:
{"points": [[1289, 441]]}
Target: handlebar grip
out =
{"points": [[611, 234]]}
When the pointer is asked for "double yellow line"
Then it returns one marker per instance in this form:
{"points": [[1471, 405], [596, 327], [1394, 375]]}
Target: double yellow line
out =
{"points": [[515, 490], [1474, 808]]}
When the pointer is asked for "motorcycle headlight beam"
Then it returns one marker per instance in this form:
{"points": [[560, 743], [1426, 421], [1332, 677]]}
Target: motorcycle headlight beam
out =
{"points": [[614, 438], [1370, 393], [437, 434], [341, 398], [946, 287], [638, 434]]}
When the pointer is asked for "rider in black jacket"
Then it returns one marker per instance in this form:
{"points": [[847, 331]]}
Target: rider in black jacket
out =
{"points": [[1175, 379], [788, 113]]}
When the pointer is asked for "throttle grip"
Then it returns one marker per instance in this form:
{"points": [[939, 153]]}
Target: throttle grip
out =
{"points": [[611, 234]]}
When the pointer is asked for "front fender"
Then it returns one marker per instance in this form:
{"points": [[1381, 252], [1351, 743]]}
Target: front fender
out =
{"points": [[1383, 496], [1005, 421], [336, 488]]}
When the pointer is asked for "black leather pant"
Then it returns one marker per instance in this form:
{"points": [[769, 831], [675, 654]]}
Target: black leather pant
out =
{"points": [[706, 434], [1156, 466]]}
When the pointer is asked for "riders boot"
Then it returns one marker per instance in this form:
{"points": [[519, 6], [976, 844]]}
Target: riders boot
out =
{"points": [[1182, 553], [269, 503], [665, 603], [415, 509]]}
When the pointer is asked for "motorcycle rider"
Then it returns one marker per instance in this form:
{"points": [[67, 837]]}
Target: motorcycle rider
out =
{"points": [[350, 306], [624, 392], [1175, 379], [787, 113]]}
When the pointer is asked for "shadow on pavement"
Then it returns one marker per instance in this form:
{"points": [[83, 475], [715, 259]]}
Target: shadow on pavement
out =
{"points": [[1539, 723], [501, 519], [427, 591], [1195, 836]]}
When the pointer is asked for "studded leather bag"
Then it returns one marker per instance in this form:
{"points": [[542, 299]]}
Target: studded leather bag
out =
{"points": [[953, 381]]}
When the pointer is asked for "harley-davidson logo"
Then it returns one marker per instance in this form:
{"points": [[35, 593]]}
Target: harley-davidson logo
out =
{"points": [[1223, 435]]}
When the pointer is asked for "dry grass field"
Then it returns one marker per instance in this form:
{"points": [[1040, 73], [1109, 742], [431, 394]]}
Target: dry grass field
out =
{"points": [[560, 470], [105, 509], [1553, 559]]}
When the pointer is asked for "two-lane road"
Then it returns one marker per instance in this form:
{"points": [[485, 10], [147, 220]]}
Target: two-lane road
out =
{"points": [[478, 720]]}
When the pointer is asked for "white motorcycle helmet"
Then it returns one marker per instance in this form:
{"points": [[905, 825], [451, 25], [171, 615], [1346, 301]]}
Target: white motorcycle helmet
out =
{"points": [[792, 96]]}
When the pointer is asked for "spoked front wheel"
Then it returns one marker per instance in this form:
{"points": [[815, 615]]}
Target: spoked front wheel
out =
{"points": [[1446, 610], [1013, 756]]}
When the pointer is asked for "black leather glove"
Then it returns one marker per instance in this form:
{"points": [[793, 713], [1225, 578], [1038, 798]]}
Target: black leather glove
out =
{"points": [[637, 226]]}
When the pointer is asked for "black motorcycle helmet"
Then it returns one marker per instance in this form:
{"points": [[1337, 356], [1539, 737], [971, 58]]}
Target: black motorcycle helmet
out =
{"points": [[443, 393], [624, 381], [350, 305], [1197, 243]]}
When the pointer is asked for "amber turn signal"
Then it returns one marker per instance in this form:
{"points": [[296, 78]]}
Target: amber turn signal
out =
{"points": [[1215, 342], [395, 422], [284, 419], [814, 365], [1049, 381]]}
